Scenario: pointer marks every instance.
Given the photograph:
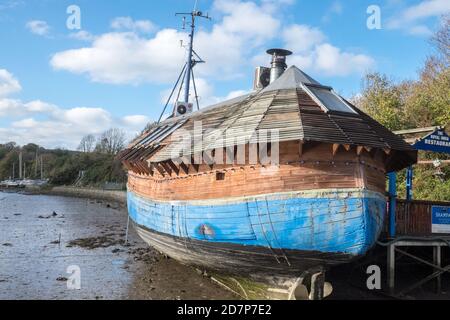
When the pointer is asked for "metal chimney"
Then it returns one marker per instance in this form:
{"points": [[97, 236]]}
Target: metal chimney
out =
{"points": [[278, 62]]}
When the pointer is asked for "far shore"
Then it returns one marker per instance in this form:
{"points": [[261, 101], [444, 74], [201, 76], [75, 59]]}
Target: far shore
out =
{"points": [[77, 192]]}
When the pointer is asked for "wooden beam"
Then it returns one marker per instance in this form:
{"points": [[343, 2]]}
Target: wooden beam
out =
{"points": [[432, 162], [184, 167], [152, 169], [300, 149], [173, 167], [196, 167], [335, 148], [418, 130], [167, 168], [378, 152], [160, 170], [186, 160], [359, 150], [208, 159], [347, 147]]}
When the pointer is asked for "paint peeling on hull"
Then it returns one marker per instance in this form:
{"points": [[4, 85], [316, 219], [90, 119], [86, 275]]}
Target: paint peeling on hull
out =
{"points": [[284, 232]]}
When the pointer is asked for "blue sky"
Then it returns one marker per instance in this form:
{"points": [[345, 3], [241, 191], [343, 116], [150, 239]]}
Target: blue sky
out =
{"points": [[58, 84]]}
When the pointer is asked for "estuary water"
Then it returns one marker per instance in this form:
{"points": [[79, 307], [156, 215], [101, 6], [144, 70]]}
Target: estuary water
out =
{"points": [[55, 247]]}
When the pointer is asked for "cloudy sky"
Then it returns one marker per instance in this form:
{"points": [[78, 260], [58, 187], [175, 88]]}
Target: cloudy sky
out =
{"points": [[57, 84]]}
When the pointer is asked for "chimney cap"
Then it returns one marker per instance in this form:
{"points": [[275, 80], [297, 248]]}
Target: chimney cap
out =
{"points": [[279, 52]]}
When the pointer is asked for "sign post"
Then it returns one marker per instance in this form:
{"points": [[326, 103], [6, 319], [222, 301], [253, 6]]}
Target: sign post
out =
{"points": [[438, 141], [440, 219]]}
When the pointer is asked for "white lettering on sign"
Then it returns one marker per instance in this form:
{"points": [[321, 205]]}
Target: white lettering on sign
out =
{"points": [[438, 142]]}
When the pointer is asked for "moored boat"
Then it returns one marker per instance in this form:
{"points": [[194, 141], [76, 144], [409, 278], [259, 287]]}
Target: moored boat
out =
{"points": [[287, 178]]}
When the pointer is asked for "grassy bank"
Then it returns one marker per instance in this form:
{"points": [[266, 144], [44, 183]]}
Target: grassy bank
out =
{"points": [[61, 167]]}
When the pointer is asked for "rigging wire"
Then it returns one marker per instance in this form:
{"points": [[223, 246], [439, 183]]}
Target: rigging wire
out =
{"points": [[195, 89], [171, 94], [181, 85]]}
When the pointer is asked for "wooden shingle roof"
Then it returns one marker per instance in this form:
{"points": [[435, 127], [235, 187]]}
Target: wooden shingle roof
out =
{"points": [[295, 105]]}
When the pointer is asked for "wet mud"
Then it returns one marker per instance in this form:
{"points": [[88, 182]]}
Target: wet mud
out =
{"points": [[42, 239]]}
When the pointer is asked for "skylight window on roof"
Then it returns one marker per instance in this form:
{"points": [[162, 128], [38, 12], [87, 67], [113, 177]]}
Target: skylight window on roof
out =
{"points": [[330, 100]]}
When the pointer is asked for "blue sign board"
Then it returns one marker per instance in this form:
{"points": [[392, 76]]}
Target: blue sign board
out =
{"points": [[438, 141], [440, 219]]}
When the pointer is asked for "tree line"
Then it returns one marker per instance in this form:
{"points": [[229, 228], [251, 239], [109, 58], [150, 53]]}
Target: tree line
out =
{"points": [[420, 103], [111, 141]]}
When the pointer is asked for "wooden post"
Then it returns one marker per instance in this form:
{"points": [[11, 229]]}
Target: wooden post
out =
{"points": [[317, 286], [409, 181], [391, 267], [392, 202], [437, 262]]}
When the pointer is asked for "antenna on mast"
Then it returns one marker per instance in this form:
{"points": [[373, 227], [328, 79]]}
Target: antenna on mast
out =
{"points": [[190, 62], [192, 59], [195, 5]]}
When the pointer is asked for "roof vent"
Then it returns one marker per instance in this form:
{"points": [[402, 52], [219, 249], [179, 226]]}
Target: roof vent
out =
{"points": [[278, 65]]}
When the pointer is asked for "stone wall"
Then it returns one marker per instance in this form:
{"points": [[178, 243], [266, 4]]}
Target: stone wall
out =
{"points": [[119, 196]]}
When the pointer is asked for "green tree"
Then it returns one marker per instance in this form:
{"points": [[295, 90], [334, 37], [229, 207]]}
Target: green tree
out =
{"points": [[381, 99]]}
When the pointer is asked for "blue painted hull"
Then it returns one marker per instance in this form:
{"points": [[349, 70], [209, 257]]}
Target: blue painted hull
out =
{"points": [[325, 223]]}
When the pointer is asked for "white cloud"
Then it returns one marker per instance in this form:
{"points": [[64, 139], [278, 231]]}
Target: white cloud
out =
{"points": [[334, 62], [17, 108], [242, 31], [82, 35], [125, 57], [10, 107], [10, 4], [336, 8], [300, 38], [426, 9], [411, 19], [420, 30], [38, 27], [58, 127], [206, 95], [25, 123], [52, 126], [246, 19], [38, 106], [8, 83], [127, 23], [313, 53], [136, 121]]}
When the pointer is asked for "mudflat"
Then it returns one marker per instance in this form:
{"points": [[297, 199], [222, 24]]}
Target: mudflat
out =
{"points": [[47, 241]]}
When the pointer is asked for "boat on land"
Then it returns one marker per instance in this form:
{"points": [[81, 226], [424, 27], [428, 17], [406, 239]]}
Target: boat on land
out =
{"points": [[286, 178]]}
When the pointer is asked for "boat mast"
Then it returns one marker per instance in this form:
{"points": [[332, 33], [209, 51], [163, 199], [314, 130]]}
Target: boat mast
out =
{"points": [[192, 59], [190, 62], [20, 165], [36, 163], [42, 169]]}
